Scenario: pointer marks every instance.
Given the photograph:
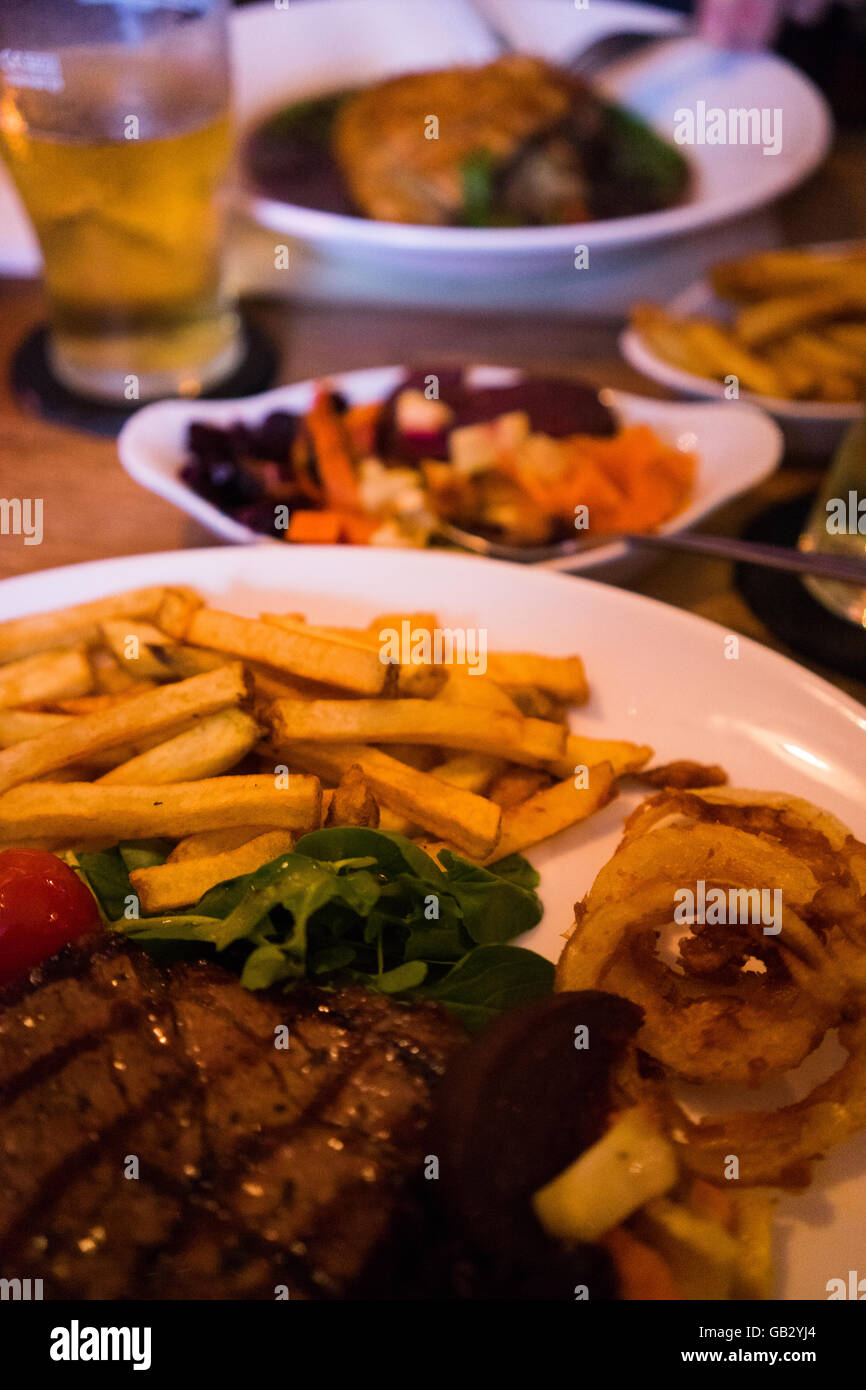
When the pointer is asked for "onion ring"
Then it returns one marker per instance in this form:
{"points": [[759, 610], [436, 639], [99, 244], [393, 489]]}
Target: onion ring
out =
{"points": [[779, 1146], [740, 1005]]}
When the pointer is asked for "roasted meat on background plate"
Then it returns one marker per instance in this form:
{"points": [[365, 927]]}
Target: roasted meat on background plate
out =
{"points": [[516, 142], [155, 1143], [398, 174]]}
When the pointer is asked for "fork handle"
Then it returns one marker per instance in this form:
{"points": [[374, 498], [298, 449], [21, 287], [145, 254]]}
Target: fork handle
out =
{"points": [[847, 569]]}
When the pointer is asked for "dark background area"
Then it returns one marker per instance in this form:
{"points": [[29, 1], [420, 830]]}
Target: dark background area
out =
{"points": [[833, 54]]}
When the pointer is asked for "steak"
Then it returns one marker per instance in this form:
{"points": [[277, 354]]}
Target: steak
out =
{"points": [[157, 1143]]}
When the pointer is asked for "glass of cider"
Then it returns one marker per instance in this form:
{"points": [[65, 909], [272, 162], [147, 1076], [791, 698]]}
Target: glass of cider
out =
{"points": [[114, 121]]}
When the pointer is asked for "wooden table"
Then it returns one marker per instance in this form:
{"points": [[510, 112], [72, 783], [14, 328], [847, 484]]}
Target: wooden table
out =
{"points": [[92, 509]]}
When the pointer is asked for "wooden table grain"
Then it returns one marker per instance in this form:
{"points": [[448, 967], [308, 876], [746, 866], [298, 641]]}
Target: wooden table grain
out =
{"points": [[93, 510]]}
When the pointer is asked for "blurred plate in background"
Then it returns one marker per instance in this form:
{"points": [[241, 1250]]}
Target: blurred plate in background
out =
{"points": [[281, 55]]}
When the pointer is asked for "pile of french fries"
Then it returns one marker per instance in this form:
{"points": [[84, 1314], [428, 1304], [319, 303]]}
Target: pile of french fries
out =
{"points": [[150, 714], [798, 329]]}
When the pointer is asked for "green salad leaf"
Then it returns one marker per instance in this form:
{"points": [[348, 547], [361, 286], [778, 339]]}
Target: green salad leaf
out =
{"points": [[351, 903], [643, 172], [313, 120], [490, 980], [478, 176]]}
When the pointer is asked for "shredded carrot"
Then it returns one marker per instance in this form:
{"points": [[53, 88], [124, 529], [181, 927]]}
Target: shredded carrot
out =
{"points": [[360, 423], [315, 528], [630, 481], [333, 455]]}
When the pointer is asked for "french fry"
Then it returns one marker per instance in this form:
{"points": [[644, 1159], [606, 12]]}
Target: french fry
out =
{"points": [[213, 745], [83, 810], [826, 356], [782, 271], [314, 658], [108, 677], [461, 688], [396, 824], [581, 751], [351, 802], [562, 676], [139, 648], [272, 685], [706, 348], [792, 337], [48, 676], [419, 680], [165, 886], [517, 784], [776, 318], [472, 771], [16, 726], [468, 821], [183, 661], [149, 653], [798, 379], [297, 623], [672, 339], [415, 629], [532, 741], [551, 810], [419, 755], [91, 704], [538, 704], [78, 625], [206, 843], [175, 612], [132, 718], [729, 356]]}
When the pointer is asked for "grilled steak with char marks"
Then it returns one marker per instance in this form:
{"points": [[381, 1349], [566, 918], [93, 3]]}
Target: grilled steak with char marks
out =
{"points": [[256, 1166]]}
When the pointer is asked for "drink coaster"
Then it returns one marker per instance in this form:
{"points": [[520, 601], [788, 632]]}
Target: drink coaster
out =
{"points": [[38, 390], [784, 604]]}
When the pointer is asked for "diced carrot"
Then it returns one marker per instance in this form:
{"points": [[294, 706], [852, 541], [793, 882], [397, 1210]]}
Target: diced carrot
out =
{"points": [[357, 528], [333, 455], [315, 528]]}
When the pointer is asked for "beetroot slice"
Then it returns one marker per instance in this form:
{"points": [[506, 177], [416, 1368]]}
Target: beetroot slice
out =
{"points": [[556, 406]]}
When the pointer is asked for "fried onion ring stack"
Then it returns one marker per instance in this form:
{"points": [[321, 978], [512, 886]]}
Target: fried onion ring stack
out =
{"points": [[728, 1002]]}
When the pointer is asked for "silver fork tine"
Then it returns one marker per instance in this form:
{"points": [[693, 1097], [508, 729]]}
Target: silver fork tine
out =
{"points": [[608, 50]]}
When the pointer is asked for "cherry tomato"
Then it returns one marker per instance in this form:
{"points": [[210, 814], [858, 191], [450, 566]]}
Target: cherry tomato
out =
{"points": [[43, 905]]}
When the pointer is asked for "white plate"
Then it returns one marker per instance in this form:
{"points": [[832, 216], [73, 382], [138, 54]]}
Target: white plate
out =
{"points": [[281, 54], [737, 446], [814, 427], [341, 43], [657, 675]]}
